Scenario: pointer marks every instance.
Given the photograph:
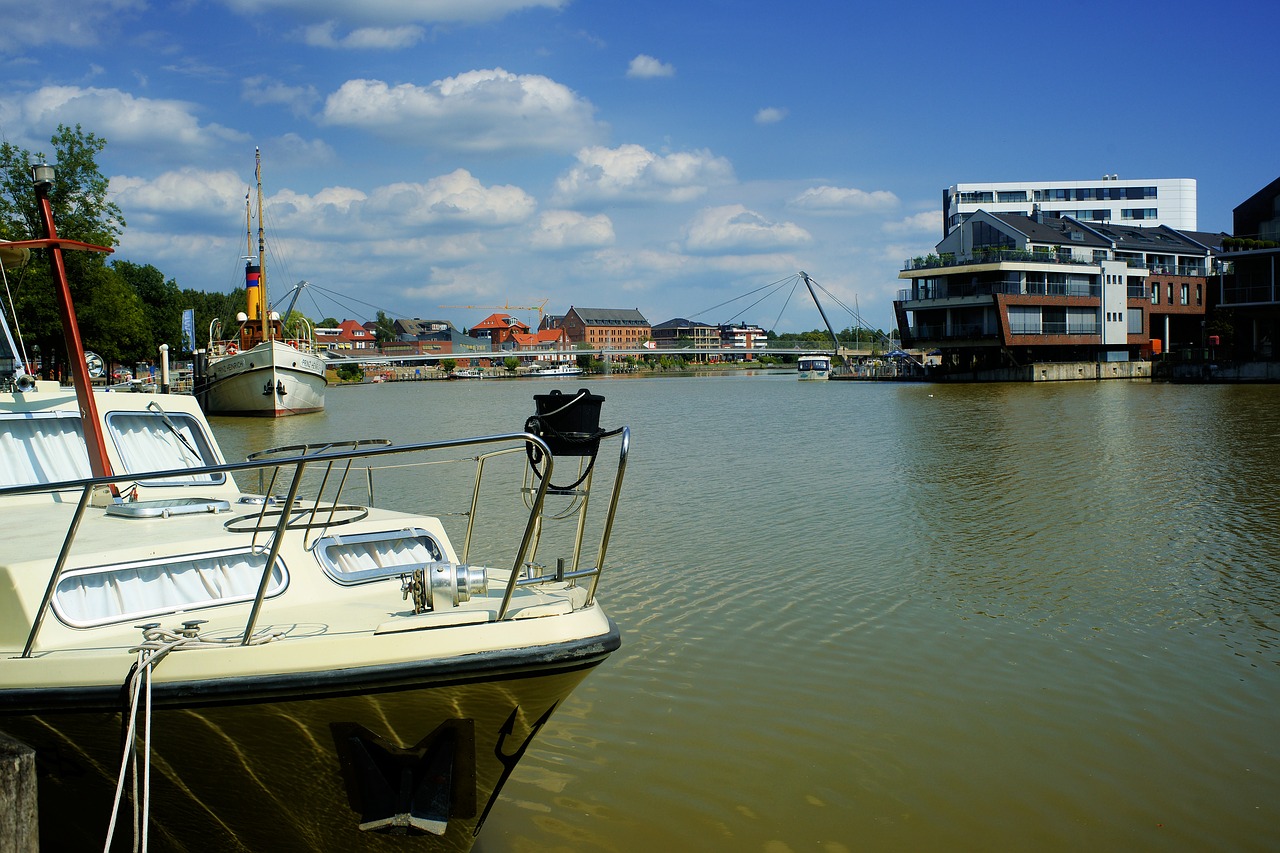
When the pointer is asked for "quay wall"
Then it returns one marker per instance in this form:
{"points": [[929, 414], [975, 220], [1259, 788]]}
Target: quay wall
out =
{"points": [[1067, 371]]}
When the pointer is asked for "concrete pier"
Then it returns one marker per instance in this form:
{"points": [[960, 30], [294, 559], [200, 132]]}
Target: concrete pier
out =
{"points": [[19, 824]]}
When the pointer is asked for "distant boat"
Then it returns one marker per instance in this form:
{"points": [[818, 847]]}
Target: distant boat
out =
{"points": [[258, 370], [558, 370], [814, 366]]}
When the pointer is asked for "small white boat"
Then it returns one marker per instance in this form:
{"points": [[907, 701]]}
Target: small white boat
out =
{"points": [[257, 370], [559, 370], [292, 652], [814, 366]]}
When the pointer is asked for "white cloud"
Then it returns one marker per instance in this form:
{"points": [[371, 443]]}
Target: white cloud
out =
{"points": [[771, 115], [631, 172], [262, 91], [925, 222], [74, 23], [735, 229], [486, 110], [457, 199], [363, 38], [557, 230], [114, 115], [397, 11], [827, 199], [215, 195], [644, 67]]}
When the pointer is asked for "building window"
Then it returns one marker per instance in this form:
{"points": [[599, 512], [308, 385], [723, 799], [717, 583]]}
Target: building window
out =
{"points": [[1199, 294], [1155, 293], [1185, 294], [1137, 213], [1169, 294]]}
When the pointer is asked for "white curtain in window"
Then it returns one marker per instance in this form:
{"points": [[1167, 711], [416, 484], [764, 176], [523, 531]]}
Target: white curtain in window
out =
{"points": [[128, 592], [146, 443], [348, 558], [41, 450]]}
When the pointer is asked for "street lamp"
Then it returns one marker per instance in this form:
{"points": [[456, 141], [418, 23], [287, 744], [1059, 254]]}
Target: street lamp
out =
{"points": [[42, 176]]}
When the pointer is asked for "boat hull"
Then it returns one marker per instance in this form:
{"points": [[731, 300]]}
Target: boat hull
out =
{"points": [[305, 762], [271, 380]]}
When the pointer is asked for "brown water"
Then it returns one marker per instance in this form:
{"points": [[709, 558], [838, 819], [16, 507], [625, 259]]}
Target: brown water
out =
{"points": [[906, 617]]}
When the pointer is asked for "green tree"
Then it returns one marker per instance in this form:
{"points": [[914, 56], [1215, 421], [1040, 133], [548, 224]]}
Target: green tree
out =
{"points": [[161, 301], [448, 365], [384, 330], [81, 211], [511, 363]]}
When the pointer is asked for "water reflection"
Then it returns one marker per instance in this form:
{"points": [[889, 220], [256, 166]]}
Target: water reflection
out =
{"points": [[884, 617]]}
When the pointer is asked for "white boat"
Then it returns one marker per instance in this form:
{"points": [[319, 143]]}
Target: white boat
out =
{"points": [[559, 370], [292, 652], [257, 369], [814, 366]]}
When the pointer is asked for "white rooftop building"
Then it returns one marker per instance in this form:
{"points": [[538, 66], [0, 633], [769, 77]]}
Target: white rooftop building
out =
{"points": [[1146, 203]]}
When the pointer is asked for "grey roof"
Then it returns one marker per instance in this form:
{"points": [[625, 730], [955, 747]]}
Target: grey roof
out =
{"points": [[610, 316], [682, 323], [1064, 231]]}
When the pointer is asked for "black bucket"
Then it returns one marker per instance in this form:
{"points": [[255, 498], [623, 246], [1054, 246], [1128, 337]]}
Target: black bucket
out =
{"points": [[568, 423]]}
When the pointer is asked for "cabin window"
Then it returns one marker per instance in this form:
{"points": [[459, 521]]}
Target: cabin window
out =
{"points": [[104, 594], [44, 447], [150, 441], [376, 556]]}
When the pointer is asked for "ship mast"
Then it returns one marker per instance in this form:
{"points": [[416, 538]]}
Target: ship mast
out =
{"points": [[268, 332]]}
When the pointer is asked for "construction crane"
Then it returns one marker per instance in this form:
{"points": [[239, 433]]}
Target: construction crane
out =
{"points": [[539, 308]]}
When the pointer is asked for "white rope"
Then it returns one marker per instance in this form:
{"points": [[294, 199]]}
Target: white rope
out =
{"points": [[157, 643]]}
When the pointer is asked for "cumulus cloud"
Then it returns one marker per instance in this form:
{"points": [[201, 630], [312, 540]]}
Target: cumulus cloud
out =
{"points": [[644, 66], [363, 38], [114, 115], [558, 230], [457, 199], [770, 115], [397, 11], [486, 110], [216, 195], [828, 199], [926, 222], [633, 173], [735, 229]]}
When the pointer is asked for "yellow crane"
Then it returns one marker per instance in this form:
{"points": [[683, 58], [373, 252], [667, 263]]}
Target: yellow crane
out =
{"points": [[539, 308]]}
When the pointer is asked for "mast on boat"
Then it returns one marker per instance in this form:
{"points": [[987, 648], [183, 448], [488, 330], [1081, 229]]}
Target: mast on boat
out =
{"points": [[265, 303]]}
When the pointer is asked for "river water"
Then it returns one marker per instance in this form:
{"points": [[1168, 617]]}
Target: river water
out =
{"points": [[872, 616]]}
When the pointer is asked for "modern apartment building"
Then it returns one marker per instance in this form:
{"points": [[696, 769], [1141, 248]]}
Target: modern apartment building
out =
{"points": [[1145, 203], [1006, 289]]}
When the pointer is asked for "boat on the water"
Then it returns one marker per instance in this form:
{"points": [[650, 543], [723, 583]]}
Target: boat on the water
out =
{"points": [[557, 371], [814, 366], [291, 652], [255, 368]]}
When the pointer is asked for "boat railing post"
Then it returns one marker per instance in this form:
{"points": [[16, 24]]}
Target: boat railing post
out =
{"points": [[613, 511], [57, 567], [531, 526], [276, 542]]}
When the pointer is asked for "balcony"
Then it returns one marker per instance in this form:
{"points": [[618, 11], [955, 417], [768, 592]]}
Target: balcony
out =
{"points": [[1004, 286]]}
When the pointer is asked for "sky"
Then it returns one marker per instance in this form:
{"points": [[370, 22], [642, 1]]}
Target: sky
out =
{"points": [[675, 157]]}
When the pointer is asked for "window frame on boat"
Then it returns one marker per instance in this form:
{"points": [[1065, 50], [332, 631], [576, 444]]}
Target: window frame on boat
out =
{"points": [[68, 444], [357, 545], [164, 571], [131, 445]]}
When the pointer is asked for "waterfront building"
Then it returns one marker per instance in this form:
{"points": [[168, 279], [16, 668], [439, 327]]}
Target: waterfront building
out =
{"points": [[606, 327], [1005, 290], [431, 337], [1144, 202], [1251, 293], [741, 338], [347, 337], [679, 332], [498, 329]]}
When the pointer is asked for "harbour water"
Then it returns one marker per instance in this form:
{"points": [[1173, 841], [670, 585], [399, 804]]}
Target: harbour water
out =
{"points": [[905, 617]]}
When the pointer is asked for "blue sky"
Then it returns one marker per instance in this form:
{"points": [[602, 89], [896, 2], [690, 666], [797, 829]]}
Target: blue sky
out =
{"points": [[666, 156]]}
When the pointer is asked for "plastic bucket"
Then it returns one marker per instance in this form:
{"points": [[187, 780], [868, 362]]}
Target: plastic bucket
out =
{"points": [[569, 423]]}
